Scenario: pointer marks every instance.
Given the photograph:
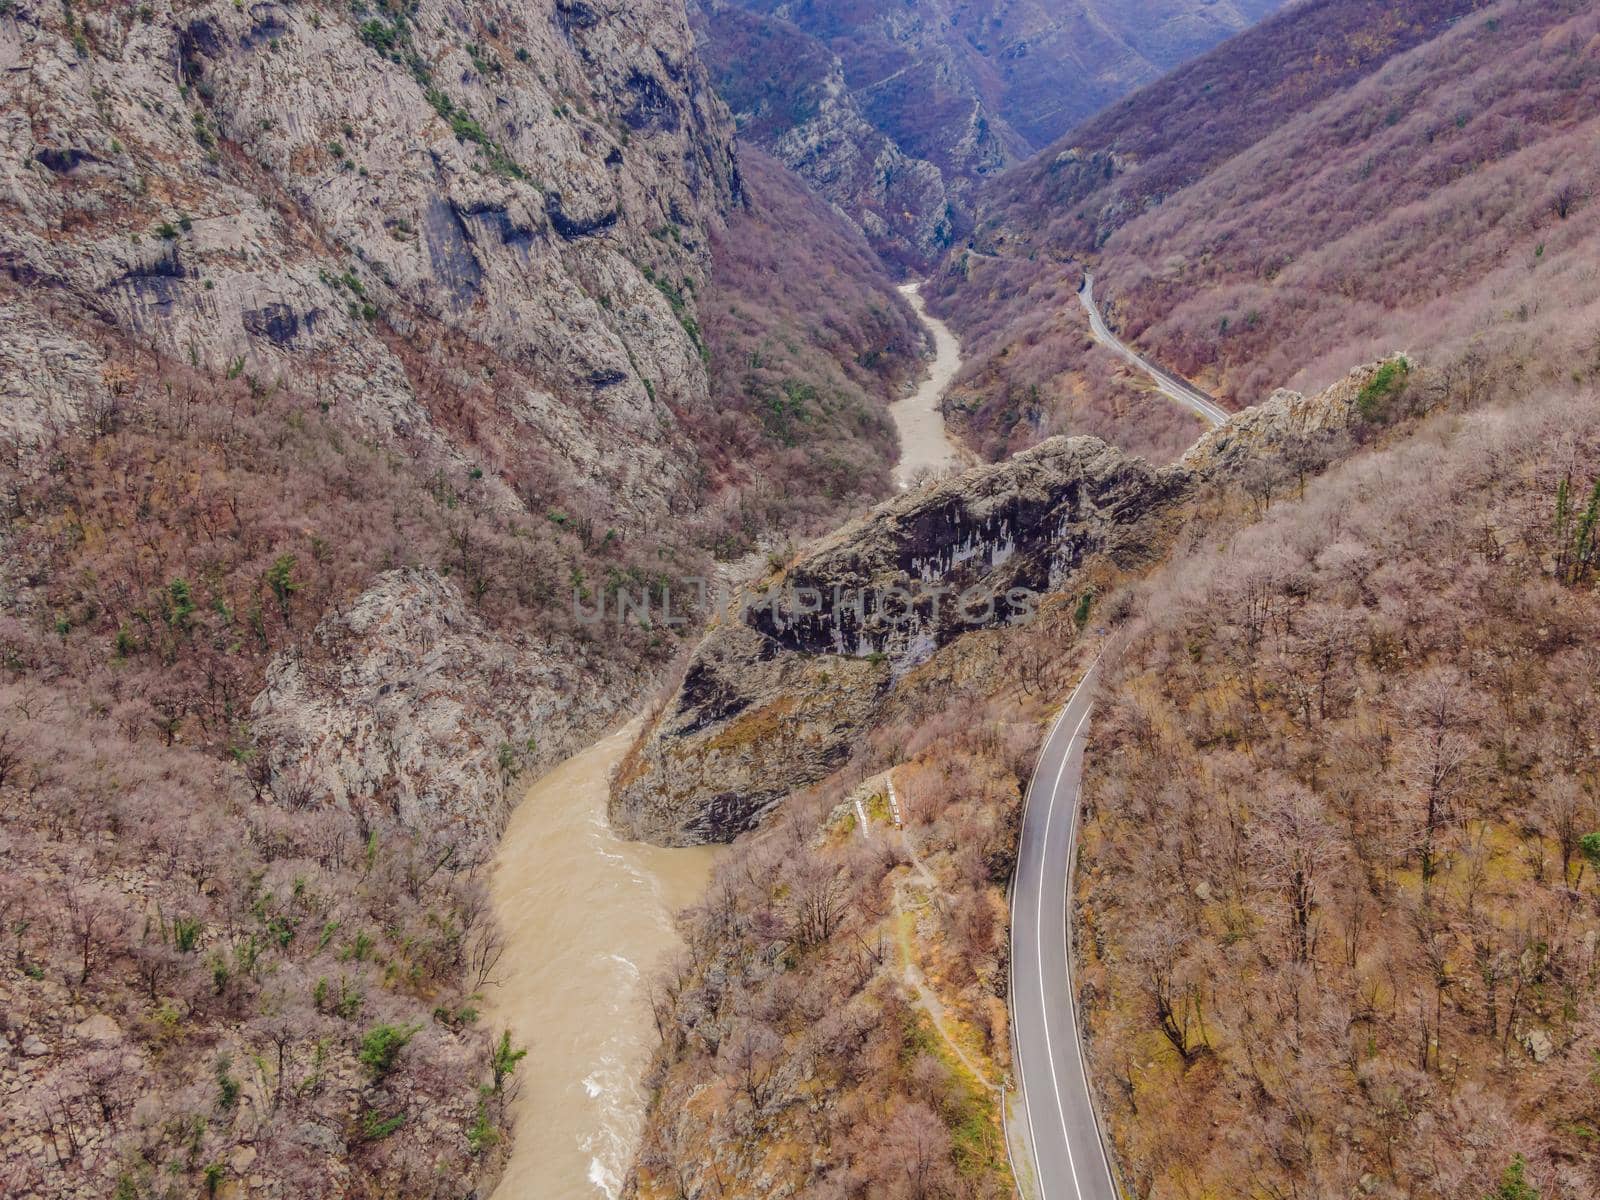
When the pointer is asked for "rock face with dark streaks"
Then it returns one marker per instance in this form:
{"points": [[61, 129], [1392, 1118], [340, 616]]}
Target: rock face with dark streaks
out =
{"points": [[776, 695], [801, 667], [373, 196]]}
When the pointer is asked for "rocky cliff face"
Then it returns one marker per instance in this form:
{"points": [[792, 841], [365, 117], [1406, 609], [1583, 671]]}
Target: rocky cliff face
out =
{"points": [[470, 236], [1289, 416], [790, 96], [380, 202], [894, 111], [338, 344], [777, 695], [408, 701]]}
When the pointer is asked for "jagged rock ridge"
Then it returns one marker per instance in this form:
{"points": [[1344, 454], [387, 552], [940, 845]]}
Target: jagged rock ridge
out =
{"points": [[777, 694]]}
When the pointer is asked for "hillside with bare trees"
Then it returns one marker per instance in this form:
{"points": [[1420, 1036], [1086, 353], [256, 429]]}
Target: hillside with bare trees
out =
{"points": [[1340, 876], [1345, 181], [316, 410]]}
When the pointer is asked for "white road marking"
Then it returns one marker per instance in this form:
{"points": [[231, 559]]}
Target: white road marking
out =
{"points": [[1027, 800], [1055, 1082]]}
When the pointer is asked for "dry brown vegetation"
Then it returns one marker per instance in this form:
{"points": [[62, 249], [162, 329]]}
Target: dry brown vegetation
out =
{"points": [[1148, 147], [1447, 199], [1033, 370], [1393, 178], [798, 1046], [202, 988], [156, 560], [1335, 890], [191, 968], [809, 343]]}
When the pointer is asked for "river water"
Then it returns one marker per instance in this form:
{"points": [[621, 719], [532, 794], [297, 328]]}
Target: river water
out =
{"points": [[925, 444], [588, 917]]}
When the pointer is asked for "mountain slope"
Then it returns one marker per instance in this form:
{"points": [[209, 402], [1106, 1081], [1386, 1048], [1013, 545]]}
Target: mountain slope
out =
{"points": [[894, 113], [1332, 890], [837, 1025], [1429, 195], [341, 349]]}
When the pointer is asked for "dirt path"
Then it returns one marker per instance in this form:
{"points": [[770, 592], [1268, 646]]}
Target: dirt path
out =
{"points": [[905, 917]]}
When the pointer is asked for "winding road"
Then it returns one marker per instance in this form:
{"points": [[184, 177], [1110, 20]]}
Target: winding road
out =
{"points": [[1063, 1132], [1168, 384], [1067, 1146]]}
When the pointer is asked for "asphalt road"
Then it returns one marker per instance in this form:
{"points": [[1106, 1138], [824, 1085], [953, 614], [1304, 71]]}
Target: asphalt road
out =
{"points": [[1069, 1157], [1168, 384]]}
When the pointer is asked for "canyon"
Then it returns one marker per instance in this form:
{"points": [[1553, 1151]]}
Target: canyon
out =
{"points": [[355, 357], [897, 114], [589, 920]]}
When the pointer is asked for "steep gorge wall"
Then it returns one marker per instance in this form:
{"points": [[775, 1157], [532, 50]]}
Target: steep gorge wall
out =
{"points": [[367, 203], [471, 237], [785, 686], [778, 693]]}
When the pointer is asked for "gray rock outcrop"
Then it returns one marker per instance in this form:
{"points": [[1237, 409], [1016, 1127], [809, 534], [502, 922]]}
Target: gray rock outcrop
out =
{"points": [[370, 205], [779, 692], [407, 701]]}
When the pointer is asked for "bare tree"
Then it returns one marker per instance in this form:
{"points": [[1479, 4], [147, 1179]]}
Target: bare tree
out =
{"points": [[1564, 197], [816, 902], [10, 754], [752, 1054], [1435, 759], [1298, 845], [1157, 954], [1566, 812], [92, 918], [916, 1148]]}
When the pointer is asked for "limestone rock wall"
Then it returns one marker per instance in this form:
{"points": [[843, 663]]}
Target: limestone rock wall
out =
{"points": [[363, 203], [779, 692]]}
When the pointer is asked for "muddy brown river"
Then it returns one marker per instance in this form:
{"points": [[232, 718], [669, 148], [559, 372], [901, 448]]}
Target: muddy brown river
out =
{"points": [[588, 917], [925, 445]]}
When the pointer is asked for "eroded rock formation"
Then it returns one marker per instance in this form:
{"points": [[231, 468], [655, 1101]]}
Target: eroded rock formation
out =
{"points": [[778, 693]]}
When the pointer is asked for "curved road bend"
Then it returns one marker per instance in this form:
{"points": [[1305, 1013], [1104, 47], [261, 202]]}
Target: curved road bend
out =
{"points": [[1069, 1156], [1168, 384]]}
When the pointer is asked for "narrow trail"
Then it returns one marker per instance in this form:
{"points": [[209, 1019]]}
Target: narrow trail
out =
{"points": [[926, 997], [905, 917]]}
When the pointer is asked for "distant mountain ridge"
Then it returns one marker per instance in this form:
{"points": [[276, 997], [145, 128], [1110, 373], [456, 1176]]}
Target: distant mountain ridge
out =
{"points": [[894, 112], [1346, 179]]}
